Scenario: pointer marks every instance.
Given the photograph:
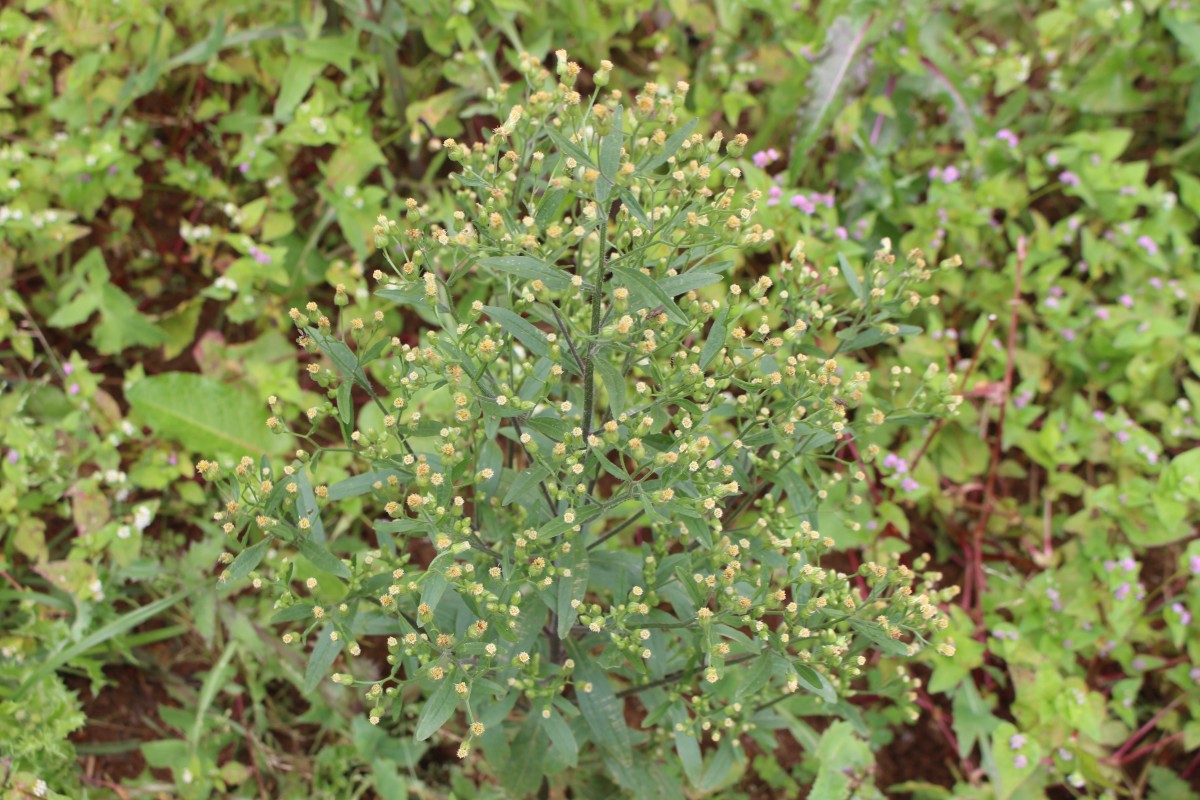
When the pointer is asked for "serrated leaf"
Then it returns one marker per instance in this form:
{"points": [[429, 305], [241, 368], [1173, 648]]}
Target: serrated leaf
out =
{"points": [[528, 335], [843, 44], [203, 415], [322, 559], [529, 269], [324, 653], [437, 710], [648, 294]]}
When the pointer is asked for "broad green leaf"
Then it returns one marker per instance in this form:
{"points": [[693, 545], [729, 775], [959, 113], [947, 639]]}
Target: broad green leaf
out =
{"points": [[548, 207], [815, 682], [205, 416], [648, 294], [522, 771], [437, 710], [523, 329]]}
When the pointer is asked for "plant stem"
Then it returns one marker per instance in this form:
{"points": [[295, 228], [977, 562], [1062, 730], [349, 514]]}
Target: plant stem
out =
{"points": [[589, 367]]}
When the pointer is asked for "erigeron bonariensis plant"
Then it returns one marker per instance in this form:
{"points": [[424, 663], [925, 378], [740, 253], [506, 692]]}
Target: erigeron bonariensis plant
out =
{"points": [[595, 479]]}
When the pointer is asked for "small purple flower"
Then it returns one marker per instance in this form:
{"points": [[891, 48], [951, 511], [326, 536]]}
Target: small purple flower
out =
{"points": [[801, 202], [1016, 741], [85, 178], [1098, 416], [826, 199], [773, 195], [1126, 300], [259, 255], [68, 368], [935, 173], [73, 389], [1148, 245], [1022, 400], [895, 463], [112, 170], [841, 233], [1051, 160], [950, 174], [1127, 191], [1127, 564], [1122, 436], [1185, 616], [13, 456], [1156, 283], [1008, 137], [1068, 178], [173, 459], [1068, 334], [764, 158], [1194, 565], [1139, 664], [1020, 761], [1122, 591], [909, 485], [244, 167], [1102, 313], [1052, 302]]}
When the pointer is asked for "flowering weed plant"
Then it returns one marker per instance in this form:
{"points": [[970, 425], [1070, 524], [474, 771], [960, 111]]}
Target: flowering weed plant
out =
{"points": [[576, 519]]}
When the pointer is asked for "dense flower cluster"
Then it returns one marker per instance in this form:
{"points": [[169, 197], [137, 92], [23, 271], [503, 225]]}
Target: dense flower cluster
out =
{"points": [[598, 473]]}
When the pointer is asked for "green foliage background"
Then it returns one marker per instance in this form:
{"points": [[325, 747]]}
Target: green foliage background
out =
{"points": [[175, 176]]}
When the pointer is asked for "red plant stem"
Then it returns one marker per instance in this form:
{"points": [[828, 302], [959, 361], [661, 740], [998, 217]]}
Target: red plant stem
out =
{"points": [[1150, 748], [1142, 731], [1187, 773], [975, 561]]}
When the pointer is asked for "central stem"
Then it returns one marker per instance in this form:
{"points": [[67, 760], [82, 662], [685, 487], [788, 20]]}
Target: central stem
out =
{"points": [[589, 367]]}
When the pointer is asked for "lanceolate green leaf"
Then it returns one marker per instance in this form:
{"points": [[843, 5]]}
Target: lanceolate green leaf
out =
{"points": [[521, 328], [437, 709], [322, 559], [325, 651], [648, 294], [602, 710], [529, 269]]}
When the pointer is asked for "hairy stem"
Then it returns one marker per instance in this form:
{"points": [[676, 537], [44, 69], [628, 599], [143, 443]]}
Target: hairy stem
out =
{"points": [[589, 366]]}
